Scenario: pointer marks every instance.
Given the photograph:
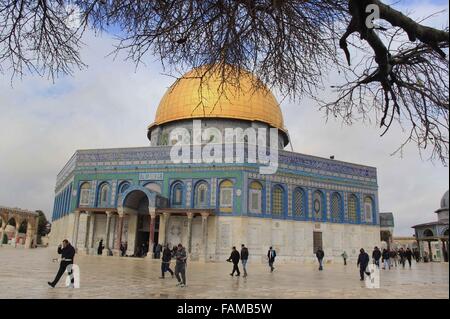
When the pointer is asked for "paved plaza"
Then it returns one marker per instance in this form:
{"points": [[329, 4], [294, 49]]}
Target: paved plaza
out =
{"points": [[24, 274]]}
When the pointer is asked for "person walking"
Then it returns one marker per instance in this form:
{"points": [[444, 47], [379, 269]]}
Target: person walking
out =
{"points": [[376, 255], [180, 266], [165, 263], [244, 258], [363, 262], [344, 256], [393, 257], [271, 254], [408, 255], [158, 250], [401, 254], [320, 254], [100, 247], [417, 255], [386, 256], [234, 258], [67, 253]]}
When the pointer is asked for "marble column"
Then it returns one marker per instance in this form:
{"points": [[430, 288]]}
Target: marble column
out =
{"points": [[29, 233], [189, 232], [88, 231], [107, 231], [36, 230], [204, 236], [16, 232], [430, 251], [2, 233], [163, 228], [444, 252], [91, 231], [151, 236], [76, 224], [119, 231]]}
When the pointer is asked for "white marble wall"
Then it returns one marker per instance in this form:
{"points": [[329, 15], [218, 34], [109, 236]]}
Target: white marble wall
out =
{"points": [[293, 240]]}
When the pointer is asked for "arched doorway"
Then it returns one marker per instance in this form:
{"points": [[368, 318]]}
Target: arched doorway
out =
{"points": [[137, 202]]}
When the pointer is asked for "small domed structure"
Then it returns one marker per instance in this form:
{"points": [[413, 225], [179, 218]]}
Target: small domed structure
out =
{"points": [[444, 201]]}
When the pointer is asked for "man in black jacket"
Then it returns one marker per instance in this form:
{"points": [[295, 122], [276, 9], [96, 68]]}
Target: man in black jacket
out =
{"points": [[165, 264], [408, 255], [376, 255], [244, 258], [320, 254], [67, 253], [271, 254], [234, 257], [363, 262]]}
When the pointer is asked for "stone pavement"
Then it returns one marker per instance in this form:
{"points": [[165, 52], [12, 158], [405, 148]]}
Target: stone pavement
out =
{"points": [[24, 274]]}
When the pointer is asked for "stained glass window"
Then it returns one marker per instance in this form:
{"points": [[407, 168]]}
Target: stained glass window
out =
{"points": [[368, 205], [201, 195], [317, 202], [104, 191], [277, 200], [123, 187], [336, 207], [85, 191], [177, 194], [299, 203], [352, 208], [255, 194], [226, 196]]}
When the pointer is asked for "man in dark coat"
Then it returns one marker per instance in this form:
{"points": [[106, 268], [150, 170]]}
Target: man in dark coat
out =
{"points": [[271, 254], [180, 265], [408, 255], [320, 254], [386, 259], [235, 257], [244, 258], [67, 253], [165, 264], [376, 255], [100, 247], [363, 262], [401, 254]]}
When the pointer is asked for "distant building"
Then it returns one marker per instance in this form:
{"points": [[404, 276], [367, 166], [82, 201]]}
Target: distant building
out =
{"points": [[432, 237], [404, 242], [387, 228]]}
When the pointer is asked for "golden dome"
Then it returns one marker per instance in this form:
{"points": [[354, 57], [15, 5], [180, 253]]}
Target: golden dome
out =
{"points": [[183, 99]]}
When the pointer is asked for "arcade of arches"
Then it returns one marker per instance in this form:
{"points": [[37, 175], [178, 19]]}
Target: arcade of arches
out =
{"points": [[23, 221], [138, 225]]}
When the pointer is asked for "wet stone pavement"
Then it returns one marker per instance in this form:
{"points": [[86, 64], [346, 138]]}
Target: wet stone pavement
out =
{"points": [[24, 274]]}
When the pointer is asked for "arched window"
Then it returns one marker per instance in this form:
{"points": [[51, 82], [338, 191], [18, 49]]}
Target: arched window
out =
{"points": [[85, 191], [104, 194], [177, 194], [201, 195], [368, 209], [428, 233], [123, 187], [299, 203], [154, 187], [336, 207], [352, 207], [318, 206], [226, 196], [277, 200], [255, 198]]}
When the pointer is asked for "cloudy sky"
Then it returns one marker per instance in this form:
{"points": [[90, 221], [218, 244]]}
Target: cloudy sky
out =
{"points": [[111, 103]]}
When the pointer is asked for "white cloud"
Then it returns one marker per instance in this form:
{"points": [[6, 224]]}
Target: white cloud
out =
{"points": [[110, 105]]}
